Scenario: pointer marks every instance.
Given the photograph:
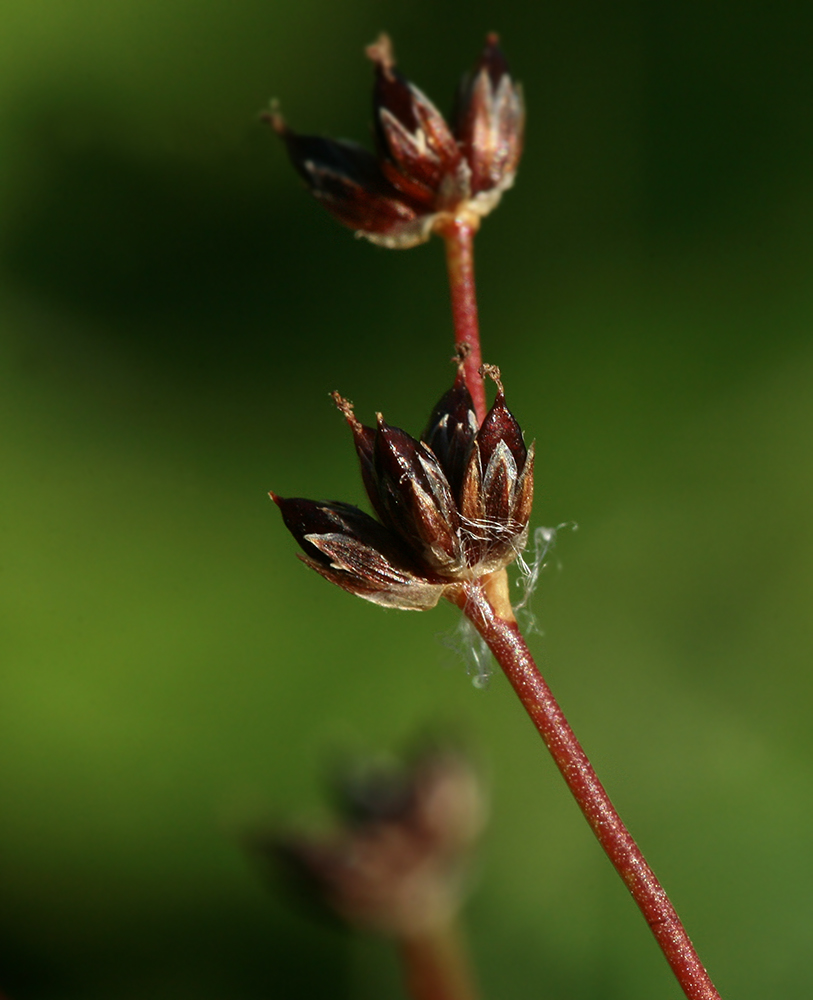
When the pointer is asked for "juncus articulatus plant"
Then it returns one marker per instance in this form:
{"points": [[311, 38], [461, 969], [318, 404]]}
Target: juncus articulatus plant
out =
{"points": [[452, 507]]}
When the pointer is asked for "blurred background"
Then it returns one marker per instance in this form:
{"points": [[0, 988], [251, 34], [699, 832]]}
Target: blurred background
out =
{"points": [[174, 310]]}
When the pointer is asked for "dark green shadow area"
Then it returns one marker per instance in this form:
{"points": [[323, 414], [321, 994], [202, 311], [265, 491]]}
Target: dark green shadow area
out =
{"points": [[208, 950]]}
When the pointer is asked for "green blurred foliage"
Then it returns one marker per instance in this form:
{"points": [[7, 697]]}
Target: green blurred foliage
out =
{"points": [[174, 312]]}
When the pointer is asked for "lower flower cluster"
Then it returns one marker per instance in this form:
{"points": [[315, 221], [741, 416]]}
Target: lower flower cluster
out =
{"points": [[451, 507], [398, 861]]}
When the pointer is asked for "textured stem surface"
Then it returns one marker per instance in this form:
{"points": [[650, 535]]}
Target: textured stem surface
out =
{"points": [[458, 234], [501, 633], [436, 966]]}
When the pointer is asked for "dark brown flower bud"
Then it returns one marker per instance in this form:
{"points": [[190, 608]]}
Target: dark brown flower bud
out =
{"points": [[349, 182], [497, 493], [418, 501], [354, 551], [412, 134], [499, 426], [451, 431], [407, 489], [490, 123], [364, 440]]}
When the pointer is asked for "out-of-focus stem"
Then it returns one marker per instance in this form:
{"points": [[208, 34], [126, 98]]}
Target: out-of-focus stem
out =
{"points": [[436, 966], [488, 608], [458, 234]]}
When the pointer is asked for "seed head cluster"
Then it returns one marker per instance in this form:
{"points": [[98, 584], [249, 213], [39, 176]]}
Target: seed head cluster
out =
{"points": [[399, 862], [450, 508], [424, 170]]}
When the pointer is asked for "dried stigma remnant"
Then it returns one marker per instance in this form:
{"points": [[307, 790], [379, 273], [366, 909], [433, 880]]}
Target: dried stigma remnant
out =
{"points": [[425, 170], [452, 507]]}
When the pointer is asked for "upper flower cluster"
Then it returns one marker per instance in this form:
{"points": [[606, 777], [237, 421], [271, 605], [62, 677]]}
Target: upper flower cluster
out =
{"points": [[451, 507], [424, 169]]}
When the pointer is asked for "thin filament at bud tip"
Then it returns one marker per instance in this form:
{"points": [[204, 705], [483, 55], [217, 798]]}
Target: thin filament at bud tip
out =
{"points": [[273, 117], [381, 53], [461, 351], [345, 407], [492, 372]]}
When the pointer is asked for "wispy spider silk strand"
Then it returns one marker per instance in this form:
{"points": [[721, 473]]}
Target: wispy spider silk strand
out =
{"points": [[487, 605]]}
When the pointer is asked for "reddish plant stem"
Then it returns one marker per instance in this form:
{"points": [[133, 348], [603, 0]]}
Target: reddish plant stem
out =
{"points": [[436, 966], [489, 609], [458, 234], [502, 635]]}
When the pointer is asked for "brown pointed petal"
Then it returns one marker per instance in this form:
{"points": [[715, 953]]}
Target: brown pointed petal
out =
{"points": [[497, 534], [472, 507], [490, 122], [474, 530], [308, 519], [499, 480], [409, 128], [415, 594], [423, 154], [500, 425], [364, 440], [524, 492], [417, 499], [415, 168], [497, 492], [451, 430], [348, 180], [352, 550]]}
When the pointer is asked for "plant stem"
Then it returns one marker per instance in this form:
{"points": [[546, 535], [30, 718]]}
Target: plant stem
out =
{"points": [[436, 965], [487, 604], [458, 234], [488, 608]]}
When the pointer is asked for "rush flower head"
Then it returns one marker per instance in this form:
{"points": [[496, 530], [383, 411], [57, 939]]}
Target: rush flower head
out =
{"points": [[451, 507], [425, 170], [399, 863]]}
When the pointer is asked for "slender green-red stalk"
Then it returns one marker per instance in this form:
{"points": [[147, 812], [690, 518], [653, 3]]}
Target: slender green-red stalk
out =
{"points": [[487, 605], [458, 234], [436, 966], [489, 611]]}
